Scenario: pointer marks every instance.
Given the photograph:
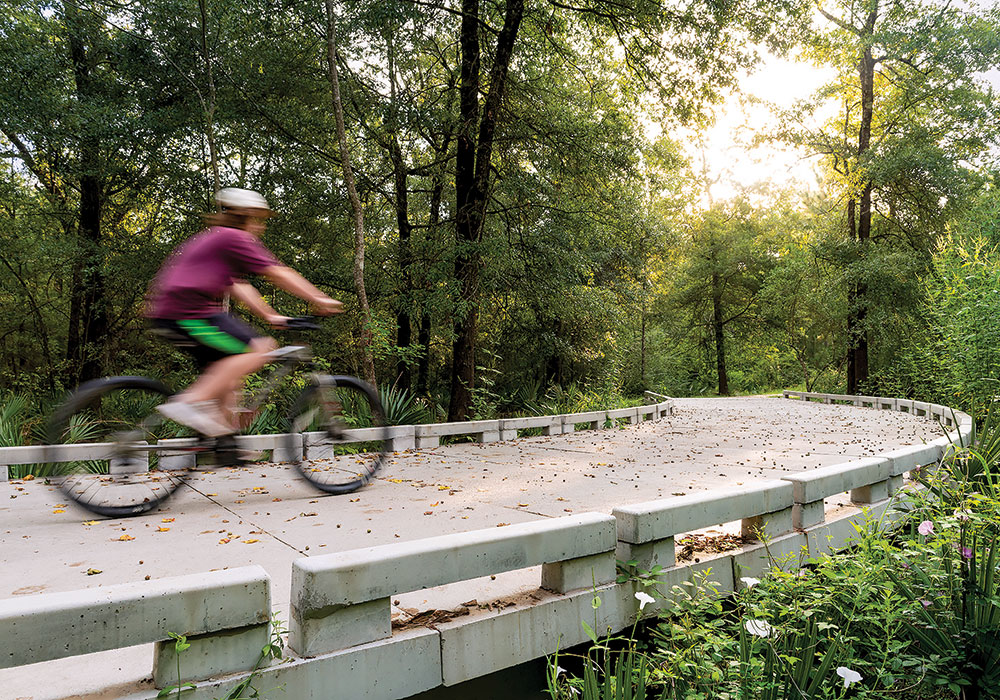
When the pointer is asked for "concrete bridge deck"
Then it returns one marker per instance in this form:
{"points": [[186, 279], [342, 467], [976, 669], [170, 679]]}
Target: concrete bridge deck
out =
{"points": [[264, 515]]}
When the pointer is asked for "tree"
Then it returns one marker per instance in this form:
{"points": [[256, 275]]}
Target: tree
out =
{"points": [[725, 261], [913, 112], [76, 130]]}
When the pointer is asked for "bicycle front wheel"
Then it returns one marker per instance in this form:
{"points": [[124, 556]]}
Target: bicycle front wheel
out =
{"points": [[104, 450], [337, 437]]}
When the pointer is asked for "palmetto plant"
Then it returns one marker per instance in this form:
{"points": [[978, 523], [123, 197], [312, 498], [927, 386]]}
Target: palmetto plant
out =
{"points": [[402, 407]]}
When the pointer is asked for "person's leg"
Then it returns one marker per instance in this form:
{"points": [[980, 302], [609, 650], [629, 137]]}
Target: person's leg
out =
{"points": [[222, 380], [227, 350]]}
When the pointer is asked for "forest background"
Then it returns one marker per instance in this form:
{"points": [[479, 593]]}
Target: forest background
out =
{"points": [[478, 181]]}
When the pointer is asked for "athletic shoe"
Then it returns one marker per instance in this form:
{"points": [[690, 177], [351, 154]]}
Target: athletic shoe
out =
{"points": [[195, 415]]}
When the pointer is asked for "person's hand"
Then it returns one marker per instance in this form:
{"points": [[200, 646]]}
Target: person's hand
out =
{"points": [[276, 320], [325, 306]]}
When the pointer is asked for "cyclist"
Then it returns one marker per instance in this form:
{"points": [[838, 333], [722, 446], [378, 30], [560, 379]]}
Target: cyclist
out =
{"points": [[186, 304]]}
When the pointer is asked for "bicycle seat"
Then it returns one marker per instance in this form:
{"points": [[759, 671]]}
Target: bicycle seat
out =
{"points": [[297, 351]]}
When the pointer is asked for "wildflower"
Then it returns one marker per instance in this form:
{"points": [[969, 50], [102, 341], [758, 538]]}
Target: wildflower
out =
{"points": [[926, 527], [750, 581], [967, 552], [758, 628], [644, 599], [925, 603], [848, 675]]}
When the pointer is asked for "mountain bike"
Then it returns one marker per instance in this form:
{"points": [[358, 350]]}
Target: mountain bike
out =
{"points": [[110, 451]]}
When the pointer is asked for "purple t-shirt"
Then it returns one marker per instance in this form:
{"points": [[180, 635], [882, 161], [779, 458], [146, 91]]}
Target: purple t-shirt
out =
{"points": [[195, 277]]}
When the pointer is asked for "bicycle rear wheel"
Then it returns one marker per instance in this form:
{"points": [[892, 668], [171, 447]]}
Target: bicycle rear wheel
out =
{"points": [[336, 436], [103, 451]]}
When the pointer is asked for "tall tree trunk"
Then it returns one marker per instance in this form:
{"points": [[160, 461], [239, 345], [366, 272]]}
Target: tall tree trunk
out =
{"points": [[404, 331], [433, 223], [367, 362], [424, 364], [209, 105], [718, 324], [89, 314], [642, 348], [857, 360], [472, 181]]}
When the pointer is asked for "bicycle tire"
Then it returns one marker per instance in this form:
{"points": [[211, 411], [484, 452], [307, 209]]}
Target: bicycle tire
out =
{"points": [[336, 434], [116, 415]]}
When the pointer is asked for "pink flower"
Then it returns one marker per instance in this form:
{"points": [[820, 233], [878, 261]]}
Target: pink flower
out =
{"points": [[967, 552], [926, 527], [926, 603]]}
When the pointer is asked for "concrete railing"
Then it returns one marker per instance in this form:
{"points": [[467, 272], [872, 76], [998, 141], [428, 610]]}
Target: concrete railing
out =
{"points": [[225, 615], [401, 437], [340, 633]]}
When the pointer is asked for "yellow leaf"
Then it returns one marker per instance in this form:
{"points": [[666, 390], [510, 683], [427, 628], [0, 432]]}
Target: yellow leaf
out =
{"points": [[395, 481], [167, 520], [126, 538], [435, 503], [250, 541], [88, 523], [163, 529], [93, 572], [224, 540], [29, 477], [522, 505], [443, 488], [58, 510]]}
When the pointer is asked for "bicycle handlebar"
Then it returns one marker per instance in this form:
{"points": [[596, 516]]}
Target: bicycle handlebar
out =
{"points": [[301, 323]]}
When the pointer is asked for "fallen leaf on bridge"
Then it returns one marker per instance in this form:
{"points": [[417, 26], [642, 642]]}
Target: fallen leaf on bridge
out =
{"points": [[126, 538], [58, 510], [250, 541], [93, 572], [167, 520], [163, 529]]}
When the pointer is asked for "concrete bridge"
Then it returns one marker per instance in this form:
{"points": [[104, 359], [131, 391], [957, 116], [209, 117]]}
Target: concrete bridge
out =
{"points": [[262, 515]]}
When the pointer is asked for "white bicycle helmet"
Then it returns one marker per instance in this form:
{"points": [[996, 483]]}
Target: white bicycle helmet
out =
{"points": [[235, 198]]}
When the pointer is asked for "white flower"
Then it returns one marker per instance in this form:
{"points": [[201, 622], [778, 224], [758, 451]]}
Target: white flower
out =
{"points": [[644, 599], [925, 528], [759, 628], [848, 675], [750, 581]]}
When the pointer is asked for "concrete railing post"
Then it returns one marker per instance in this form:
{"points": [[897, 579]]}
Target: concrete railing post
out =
{"points": [[342, 600], [646, 531]]}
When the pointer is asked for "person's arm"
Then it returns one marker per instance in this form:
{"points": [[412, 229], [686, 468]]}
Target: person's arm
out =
{"points": [[248, 295], [294, 283]]}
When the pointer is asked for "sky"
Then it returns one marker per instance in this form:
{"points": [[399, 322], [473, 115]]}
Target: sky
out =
{"points": [[728, 154]]}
